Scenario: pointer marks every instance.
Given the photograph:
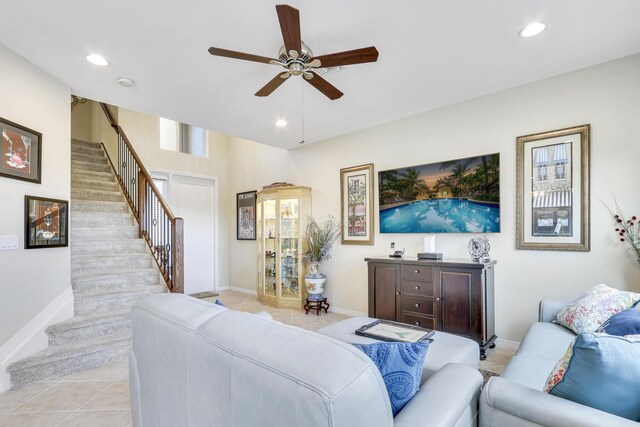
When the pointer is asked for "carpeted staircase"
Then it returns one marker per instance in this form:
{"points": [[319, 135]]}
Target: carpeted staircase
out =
{"points": [[111, 268]]}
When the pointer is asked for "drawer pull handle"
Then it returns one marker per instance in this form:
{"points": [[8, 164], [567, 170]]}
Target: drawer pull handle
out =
{"points": [[417, 288], [397, 293], [417, 305], [416, 271], [417, 323], [438, 299]]}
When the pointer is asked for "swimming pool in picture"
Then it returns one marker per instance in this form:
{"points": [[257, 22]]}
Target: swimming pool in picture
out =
{"points": [[441, 216]]}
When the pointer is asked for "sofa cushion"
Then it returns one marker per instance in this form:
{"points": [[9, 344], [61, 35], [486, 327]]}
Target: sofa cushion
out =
{"points": [[400, 364], [528, 370], [546, 340], [627, 322], [600, 371], [591, 309]]}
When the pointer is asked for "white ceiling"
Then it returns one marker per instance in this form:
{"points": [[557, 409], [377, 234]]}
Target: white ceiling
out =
{"points": [[432, 53]]}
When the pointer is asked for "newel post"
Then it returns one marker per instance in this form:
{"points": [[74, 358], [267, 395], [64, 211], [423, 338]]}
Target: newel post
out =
{"points": [[177, 243], [142, 185]]}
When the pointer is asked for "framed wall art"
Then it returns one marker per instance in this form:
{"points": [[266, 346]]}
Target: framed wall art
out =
{"points": [[552, 195], [356, 205], [46, 222], [453, 196], [20, 152], [246, 215]]}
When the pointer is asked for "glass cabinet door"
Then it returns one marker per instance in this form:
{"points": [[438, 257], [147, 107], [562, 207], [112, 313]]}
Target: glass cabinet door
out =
{"points": [[269, 245], [289, 233]]}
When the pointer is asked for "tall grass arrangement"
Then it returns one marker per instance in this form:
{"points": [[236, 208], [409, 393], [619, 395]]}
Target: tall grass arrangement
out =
{"points": [[320, 238]]}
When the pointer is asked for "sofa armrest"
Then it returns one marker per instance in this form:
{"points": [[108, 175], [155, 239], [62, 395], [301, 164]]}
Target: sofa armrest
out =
{"points": [[504, 403], [443, 399], [549, 308]]}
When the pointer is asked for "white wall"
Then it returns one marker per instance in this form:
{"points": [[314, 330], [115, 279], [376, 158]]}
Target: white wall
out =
{"points": [[31, 279], [607, 96]]}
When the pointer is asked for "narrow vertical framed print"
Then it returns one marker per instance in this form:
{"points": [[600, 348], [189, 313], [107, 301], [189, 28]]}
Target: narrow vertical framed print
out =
{"points": [[356, 205], [552, 196], [246, 215]]}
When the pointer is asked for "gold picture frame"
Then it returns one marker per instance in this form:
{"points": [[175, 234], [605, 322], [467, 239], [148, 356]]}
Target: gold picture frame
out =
{"points": [[356, 205], [552, 190]]}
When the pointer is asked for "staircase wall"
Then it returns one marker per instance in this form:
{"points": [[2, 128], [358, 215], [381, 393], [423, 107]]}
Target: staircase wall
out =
{"points": [[31, 279]]}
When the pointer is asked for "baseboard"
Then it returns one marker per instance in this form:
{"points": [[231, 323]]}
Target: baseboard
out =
{"points": [[31, 338], [238, 289], [347, 312], [507, 343]]}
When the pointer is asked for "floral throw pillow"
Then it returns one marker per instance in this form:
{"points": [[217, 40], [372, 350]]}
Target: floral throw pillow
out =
{"points": [[590, 310]]}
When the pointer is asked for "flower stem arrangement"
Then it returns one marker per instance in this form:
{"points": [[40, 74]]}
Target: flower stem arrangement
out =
{"points": [[321, 237], [628, 230]]}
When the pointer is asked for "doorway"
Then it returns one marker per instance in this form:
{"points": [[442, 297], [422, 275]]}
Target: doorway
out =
{"points": [[194, 200]]}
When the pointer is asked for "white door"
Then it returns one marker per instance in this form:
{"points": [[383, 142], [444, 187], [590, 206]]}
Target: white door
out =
{"points": [[193, 199]]}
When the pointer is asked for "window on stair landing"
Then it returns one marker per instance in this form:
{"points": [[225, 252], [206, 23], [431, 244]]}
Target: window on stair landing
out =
{"points": [[183, 138]]}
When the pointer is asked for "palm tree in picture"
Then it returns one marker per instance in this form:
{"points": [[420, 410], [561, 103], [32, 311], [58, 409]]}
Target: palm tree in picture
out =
{"points": [[412, 184]]}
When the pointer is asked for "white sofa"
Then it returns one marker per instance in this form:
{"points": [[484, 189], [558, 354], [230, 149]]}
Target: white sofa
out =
{"points": [[516, 399], [198, 364]]}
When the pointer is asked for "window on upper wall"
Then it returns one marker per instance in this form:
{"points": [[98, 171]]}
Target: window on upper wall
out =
{"points": [[183, 138]]}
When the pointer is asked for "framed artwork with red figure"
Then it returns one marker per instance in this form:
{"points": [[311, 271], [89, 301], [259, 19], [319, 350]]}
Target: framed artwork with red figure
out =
{"points": [[46, 223], [20, 152]]}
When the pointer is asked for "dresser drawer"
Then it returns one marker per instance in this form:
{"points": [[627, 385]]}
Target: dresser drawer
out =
{"points": [[423, 289], [417, 272], [417, 304], [421, 321]]}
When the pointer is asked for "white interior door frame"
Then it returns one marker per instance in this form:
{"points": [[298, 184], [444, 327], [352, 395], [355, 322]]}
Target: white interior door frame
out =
{"points": [[171, 177]]}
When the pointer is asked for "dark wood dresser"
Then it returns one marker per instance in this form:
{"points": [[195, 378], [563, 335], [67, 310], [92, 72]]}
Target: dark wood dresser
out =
{"points": [[454, 296]]}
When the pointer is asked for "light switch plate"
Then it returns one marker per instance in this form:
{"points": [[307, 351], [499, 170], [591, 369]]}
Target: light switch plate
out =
{"points": [[8, 242]]}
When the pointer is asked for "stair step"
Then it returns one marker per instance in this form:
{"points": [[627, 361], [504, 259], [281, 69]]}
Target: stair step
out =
{"points": [[86, 303], [88, 327], [84, 149], [92, 176], [84, 157], [97, 263], [111, 246], [61, 360], [104, 233], [92, 184], [94, 282], [98, 206], [97, 219], [99, 195], [82, 143], [79, 165]]}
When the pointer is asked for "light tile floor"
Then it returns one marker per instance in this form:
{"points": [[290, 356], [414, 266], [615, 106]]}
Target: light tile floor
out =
{"points": [[100, 397]]}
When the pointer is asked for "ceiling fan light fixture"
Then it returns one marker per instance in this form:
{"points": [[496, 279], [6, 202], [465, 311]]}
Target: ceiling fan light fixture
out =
{"points": [[98, 60], [281, 123], [533, 29]]}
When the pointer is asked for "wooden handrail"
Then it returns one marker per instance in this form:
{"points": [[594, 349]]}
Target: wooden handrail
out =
{"points": [[169, 250]]}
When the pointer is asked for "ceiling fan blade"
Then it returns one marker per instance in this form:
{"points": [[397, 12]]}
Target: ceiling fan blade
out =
{"points": [[349, 57], [329, 90], [289, 18], [273, 84], [239, 55]]}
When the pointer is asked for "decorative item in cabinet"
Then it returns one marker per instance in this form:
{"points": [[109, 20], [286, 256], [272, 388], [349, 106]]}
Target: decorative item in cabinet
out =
{"points": [[280, 245]]}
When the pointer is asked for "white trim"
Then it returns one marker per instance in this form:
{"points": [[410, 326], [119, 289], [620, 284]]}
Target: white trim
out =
{"points": [[32, 338], [239, 289], [501, 342], [347, 312]]}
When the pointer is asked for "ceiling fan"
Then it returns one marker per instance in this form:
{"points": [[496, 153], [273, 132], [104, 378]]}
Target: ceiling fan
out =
{"points": [[297, 59]]}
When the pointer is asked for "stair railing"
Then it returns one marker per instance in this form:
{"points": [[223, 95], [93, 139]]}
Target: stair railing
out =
{"points": [[158, 226]]}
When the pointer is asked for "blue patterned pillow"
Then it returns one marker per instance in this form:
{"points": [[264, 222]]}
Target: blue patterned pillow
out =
{"points": [[400, 364], [627, 322]]}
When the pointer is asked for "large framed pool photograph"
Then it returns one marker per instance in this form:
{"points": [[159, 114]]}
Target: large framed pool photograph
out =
{"points": [[455, 196]]}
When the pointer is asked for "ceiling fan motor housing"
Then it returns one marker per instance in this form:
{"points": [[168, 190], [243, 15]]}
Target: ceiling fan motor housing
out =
{"points": [[296, 66]]}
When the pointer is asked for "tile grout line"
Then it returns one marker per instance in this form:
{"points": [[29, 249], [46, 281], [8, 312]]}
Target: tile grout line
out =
{"points": [[90, 400], [33, 397]]}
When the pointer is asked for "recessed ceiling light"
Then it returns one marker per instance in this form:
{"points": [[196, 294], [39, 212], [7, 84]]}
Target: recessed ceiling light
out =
{"points": [[97, 60], [281, 123], [126, 82], [532, 29]]}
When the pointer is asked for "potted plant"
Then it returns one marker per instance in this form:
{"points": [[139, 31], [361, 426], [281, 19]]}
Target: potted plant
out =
{"points": [[320, 239]]}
